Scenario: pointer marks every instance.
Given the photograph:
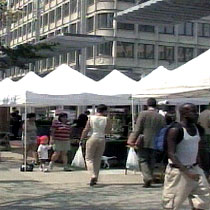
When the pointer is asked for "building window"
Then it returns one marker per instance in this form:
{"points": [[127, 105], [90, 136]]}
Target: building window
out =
{"points": [[58, 13], [166, 29], [72, 56], [125, 26], [105, 20], [185, 54], [90, 24], [24, 30], [73, 6], [105, 49], [204, 30], [65, 29], [45, 19], [186, 29], [166, 53], [52, 16], [64, 58], [146, 28], [90, 2], [201, 50], [57, 60], [29, 27], [125, 50], [20, 32], [89, 52], [29, 8], [73, 28], [66, 10], [50, 62], [145, 51]]}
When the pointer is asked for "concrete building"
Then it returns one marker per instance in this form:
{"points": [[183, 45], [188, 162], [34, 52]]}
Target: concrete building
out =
{"points": [[135, 49]]}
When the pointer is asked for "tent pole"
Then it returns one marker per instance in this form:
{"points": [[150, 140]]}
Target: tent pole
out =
{"points": [[132, 110], [25, 126]]}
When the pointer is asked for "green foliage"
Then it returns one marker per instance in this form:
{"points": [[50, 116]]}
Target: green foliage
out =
{"points": [[23, 54]]}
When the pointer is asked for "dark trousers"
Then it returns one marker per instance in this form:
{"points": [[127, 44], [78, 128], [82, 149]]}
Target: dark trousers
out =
{"points": [[146, 163]]}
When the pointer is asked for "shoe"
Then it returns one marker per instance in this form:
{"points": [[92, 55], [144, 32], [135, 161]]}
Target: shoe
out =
{"points": [[66, 168], [93, 181], [51, 165], [46, 170], [40, 168], [147, 184]]}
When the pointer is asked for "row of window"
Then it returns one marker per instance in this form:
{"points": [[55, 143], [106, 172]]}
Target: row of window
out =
{"points": [[146, 51]]}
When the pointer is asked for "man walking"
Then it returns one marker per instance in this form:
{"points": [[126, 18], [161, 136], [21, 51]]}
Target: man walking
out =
{"points": [[148, 124], [184, 178]]}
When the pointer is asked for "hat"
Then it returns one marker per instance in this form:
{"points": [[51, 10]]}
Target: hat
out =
{"points": [[42, 139]]}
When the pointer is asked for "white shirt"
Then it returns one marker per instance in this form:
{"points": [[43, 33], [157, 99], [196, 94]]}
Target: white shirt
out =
{"points": [[43, 151]]}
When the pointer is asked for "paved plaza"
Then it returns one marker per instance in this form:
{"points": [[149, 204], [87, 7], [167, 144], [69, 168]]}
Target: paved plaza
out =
{"points": [[70, 190]]}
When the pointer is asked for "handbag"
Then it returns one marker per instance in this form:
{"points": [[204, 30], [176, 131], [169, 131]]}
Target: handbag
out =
{"points": [[78, 160], [132, 161]]}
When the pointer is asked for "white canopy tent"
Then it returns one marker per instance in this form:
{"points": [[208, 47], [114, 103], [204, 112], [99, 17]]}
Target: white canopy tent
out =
{"points": [[63, 86], [188, 83], [116, 83]]}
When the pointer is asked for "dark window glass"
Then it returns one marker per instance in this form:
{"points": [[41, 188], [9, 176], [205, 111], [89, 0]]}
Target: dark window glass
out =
{"points": [[125, 50], [105, 20], [89, 52], [105, 49], [90, 24], [146, 28], [166, 29], [166, 53], [125, 26], [185, 54], [186, 29], [145, 51], [66, 9]]}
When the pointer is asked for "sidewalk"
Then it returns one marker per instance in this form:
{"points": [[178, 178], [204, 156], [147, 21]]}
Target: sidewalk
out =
{"points": [[70, 190]]}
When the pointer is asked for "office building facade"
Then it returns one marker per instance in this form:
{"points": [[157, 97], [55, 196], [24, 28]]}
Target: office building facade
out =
{"points": [[135, 49]]}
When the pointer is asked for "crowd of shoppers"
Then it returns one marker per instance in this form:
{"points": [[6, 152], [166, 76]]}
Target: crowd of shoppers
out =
{"points": [[188, 148]]}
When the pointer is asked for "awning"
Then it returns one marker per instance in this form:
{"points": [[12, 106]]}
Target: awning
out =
{"points": [[67, 42], [165, 12]]}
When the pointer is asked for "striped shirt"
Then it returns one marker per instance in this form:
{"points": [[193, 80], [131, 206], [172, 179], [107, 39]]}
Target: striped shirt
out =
{"points": [[61, 131]]}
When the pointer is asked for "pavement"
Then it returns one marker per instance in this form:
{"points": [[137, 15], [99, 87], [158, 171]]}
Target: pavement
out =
{"points": [[70, 190]]}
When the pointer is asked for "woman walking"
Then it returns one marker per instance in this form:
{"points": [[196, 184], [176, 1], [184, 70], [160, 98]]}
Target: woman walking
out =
{"points": [[60, 137], [100, 125]]}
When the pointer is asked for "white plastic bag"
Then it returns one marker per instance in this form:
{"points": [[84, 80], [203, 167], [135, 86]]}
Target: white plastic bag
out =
{"points": [[132, 160], [78, 160]]}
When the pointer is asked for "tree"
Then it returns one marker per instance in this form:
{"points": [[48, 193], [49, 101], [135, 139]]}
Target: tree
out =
{"points": [[22, 54]]}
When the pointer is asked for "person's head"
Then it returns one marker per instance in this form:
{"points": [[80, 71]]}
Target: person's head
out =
{"points": [[31, 116], [62, 117], [82, 119], [87, 112], [188, 112], [151, 102], [102, 109], [44, 139]]}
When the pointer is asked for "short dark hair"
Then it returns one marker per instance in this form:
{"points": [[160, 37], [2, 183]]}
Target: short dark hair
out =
{"points": [[101, 108], [62, 115], [30, 115], [151, 102], [182, 108]]}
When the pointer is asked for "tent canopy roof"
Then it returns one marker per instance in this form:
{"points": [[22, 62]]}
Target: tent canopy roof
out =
{"points": [[165, 11]]}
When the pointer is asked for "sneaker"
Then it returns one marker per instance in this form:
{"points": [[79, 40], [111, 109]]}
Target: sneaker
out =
{"points": [[40, 168], [93, 181], [51, 165], [46, 170]]}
